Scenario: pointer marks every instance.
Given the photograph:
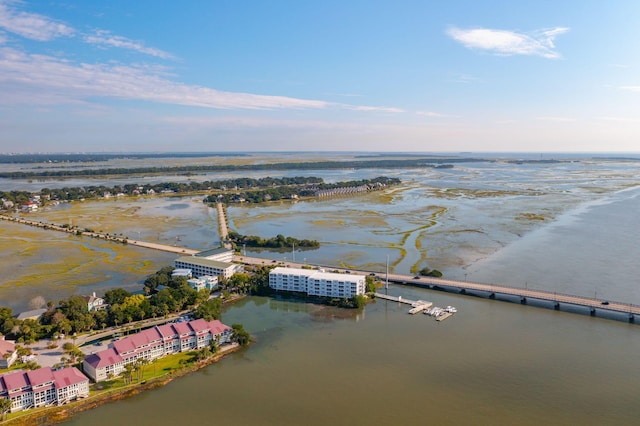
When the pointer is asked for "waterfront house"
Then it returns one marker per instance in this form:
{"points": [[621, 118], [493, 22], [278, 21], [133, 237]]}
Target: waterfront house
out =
{"points": [[44, 386], [94, 302], [154, 343]]}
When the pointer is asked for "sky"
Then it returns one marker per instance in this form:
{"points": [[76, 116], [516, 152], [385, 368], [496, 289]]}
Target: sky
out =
{"points": [[331, 75]]}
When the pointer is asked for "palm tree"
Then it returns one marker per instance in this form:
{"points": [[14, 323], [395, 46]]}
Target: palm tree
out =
{"points": [[142, 362], [127, 372]]}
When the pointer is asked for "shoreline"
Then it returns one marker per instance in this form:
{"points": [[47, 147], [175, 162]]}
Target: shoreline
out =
{"points": [[58, 414]]}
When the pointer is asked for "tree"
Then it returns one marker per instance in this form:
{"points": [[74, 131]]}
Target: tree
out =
{"points": [[240, 335], [127, 373], [370, 284], [141, 363], [115, 296], [5, 407], [209, 310], [358, 301]]}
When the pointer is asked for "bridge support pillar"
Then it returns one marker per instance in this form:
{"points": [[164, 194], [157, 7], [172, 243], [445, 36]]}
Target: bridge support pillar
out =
{"points": [[492, 296], [592, 312], [523, 300], [556, 306], [632, 319]]}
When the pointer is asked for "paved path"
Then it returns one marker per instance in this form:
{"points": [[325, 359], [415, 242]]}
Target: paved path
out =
{"points": [[224, 229]]}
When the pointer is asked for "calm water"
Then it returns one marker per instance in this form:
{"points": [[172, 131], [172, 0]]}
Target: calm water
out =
{"points": [[492, 363]]}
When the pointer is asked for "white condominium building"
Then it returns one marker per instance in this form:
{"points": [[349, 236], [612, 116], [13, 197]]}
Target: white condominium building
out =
{"points": [[317, 283], [201, 266]]}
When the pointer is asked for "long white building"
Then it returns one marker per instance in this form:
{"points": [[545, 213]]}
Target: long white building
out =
{"points": [[317, 282], [154, 343]]}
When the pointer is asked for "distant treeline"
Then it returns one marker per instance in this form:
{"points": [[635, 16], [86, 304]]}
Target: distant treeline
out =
{"points": [[310, 189], [278, 188], [91, 158], [320, 165], [98, 191]]}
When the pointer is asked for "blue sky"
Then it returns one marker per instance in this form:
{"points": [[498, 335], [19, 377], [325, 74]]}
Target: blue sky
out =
{"points": [[332, 75]]}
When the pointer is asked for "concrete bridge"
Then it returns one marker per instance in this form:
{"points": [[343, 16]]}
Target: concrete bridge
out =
{"points": [[523, 294]]}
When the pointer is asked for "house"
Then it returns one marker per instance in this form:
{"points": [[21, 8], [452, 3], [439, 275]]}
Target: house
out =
{"points": [[44, 386], [34, 314], [8, 353], [204, 282], [154, 343], [29, 206], [94, 303]]}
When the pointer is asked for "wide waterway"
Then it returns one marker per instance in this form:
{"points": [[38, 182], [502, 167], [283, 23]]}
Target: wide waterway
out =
{"points": [[492, 363]]}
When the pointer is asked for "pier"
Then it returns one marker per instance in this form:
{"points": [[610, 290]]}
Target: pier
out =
{"points": [[417, 305]]}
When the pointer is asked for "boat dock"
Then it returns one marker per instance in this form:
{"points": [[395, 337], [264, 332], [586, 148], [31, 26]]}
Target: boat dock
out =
{"points": [[417, 305]]}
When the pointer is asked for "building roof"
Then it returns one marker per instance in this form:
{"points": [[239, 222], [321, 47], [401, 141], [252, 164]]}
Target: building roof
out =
{"points": [[6, 346], [181, 272], [166, 330], [213, 252], [198, 325], [103, 358], [68, 376], [13, 381], [36, 313], [218, 327], [40, 376], [319, 275], [182, 328], [201, 261], [134, 341]]}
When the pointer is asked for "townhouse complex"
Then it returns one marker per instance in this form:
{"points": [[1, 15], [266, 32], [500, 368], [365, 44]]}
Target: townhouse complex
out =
{"points": [[317, 282], [154, 343], [44, 386]]}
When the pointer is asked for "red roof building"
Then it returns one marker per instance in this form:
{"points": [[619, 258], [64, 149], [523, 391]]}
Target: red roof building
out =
{"points": [[154, 343], [44, 386]]}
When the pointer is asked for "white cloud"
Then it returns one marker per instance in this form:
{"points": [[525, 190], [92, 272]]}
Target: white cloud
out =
{"points": [[31, 25], [105, 38], [45, 80], [556, 119], [631, 88], [506, 43], [434, 114], [371, 108]]}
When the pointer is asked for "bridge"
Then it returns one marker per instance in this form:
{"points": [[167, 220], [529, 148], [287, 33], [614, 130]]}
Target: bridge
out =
{"points": [[524, 294], [492, 291]]}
